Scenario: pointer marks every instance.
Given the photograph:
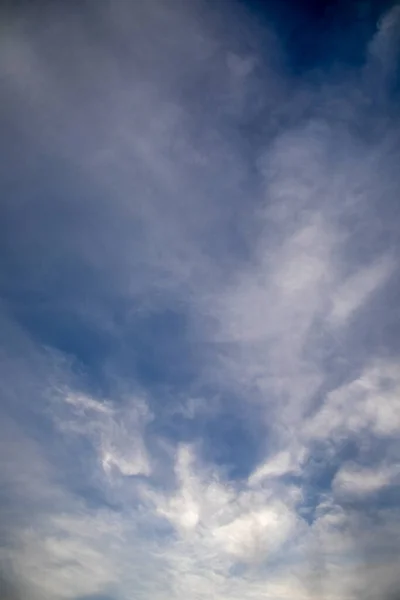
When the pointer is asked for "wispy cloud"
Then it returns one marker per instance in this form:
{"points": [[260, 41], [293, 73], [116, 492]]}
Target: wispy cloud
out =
{"points": [[201, 270]]}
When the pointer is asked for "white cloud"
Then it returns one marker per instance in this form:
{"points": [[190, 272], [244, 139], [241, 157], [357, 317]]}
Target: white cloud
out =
{"points": [[367, 404], [85, 404], [257, 534], [116, 433], [243, 525], [66, 567], [278, 465], [353, 292], [356, 481]]}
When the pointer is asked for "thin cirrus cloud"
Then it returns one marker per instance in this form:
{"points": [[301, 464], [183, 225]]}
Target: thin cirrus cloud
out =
{"points": [[199, 360]]}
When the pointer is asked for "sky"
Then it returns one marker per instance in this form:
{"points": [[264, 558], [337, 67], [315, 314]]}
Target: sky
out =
{"points": [[199, 300]]}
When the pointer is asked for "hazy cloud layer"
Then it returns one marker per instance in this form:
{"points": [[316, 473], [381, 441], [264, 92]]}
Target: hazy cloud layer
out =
{"points": [[199, 358]]}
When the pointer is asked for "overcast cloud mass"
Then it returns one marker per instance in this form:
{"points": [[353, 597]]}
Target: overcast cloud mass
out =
{"points": [[199, 300]]}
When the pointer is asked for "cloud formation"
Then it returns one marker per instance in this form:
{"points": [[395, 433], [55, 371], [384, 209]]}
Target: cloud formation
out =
{"points": [[199, 362]]}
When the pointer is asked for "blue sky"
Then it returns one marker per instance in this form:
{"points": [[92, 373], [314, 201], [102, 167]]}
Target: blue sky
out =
{"points": [[199, 300]]}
